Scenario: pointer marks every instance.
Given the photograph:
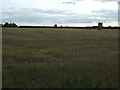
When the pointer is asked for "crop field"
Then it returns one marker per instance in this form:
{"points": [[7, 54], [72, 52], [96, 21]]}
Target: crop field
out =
{"points": [[59, 58]]}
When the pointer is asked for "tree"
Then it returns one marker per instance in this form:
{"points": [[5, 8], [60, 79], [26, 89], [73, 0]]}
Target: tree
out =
{"points": [[6, 24], [13, 25], [55, 25], [10, 25], [109, 26]]}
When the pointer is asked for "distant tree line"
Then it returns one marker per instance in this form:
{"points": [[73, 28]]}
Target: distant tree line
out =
{"points": [[6, 24], [63, 27]]}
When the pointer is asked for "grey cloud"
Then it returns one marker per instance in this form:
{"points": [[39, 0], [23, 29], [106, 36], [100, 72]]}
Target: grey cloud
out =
{"points": [[32, 15], [79, 20], [119, 2], [110, 15], [73, 3], [78, 0], [41, 16], [101, 0], [96, 16], [107, 0], [48, 11]]}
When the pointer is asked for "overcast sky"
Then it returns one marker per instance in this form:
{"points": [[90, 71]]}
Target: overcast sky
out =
{"points": [[61, 12]]}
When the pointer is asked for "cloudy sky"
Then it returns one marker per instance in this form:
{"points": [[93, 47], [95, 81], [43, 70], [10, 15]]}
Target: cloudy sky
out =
{"points": [[61, 12]]}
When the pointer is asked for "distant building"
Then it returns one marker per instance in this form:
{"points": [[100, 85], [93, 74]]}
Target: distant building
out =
{"points": [[100, 26]]}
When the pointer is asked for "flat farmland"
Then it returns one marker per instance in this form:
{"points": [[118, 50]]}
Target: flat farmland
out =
{"points": [[59, 58]]}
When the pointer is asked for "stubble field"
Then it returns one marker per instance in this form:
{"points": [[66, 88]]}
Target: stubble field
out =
{"points": [[59, 58]]}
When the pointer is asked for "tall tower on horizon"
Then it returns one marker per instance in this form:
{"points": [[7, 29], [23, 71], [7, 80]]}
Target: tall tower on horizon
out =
{"points": [[100, 26]]}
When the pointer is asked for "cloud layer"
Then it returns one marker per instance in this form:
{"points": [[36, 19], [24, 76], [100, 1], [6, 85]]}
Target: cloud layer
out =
{"points": [[108, 0], [50, 17], [49, 12]]}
